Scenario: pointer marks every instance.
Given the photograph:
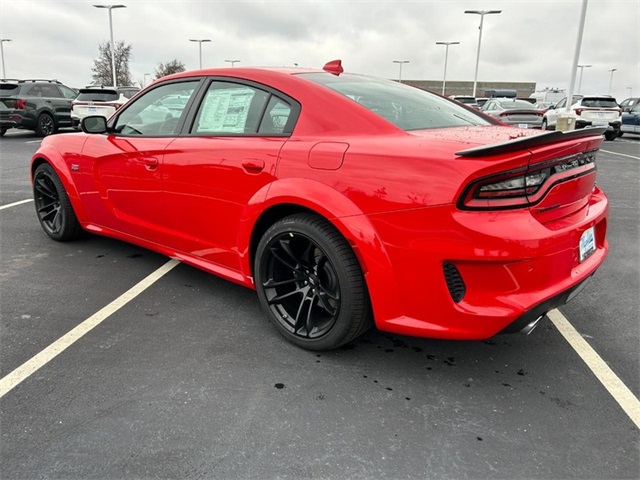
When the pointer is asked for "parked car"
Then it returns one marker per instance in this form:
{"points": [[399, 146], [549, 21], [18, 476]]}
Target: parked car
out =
{"points": [[470, 101], [99, 100], [43, 106], [543, 106], [344, 200], [631, 121], [590, 110], [628, 103], [512, 111]]}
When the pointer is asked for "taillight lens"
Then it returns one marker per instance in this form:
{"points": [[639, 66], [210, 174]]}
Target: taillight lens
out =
{"points": [[20, 104], [578, 111], [513, 187]]}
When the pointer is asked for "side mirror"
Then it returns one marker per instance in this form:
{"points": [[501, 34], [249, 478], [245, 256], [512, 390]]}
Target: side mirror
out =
{"points": [[94, 124]]}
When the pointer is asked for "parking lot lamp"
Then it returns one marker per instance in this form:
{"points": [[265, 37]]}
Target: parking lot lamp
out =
{"points": [[581, 67], [113, 49], [232, 62], [446, 56], [200, 41], [400, 62], [611, 80], [482, 13], [4, 74]]}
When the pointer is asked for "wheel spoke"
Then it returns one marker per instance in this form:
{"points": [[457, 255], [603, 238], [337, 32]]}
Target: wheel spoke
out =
{"points": [[309, 323], [43, 187], [286, 246], [276, 253], [279, 298], [271, 283], [331, 310]]}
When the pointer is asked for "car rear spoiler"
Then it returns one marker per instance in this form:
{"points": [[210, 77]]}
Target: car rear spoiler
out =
{"points": [[530, 142]]}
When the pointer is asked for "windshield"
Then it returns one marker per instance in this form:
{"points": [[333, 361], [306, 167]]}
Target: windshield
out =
{"points": [[97, 96], [511, 104], [409, 108]]}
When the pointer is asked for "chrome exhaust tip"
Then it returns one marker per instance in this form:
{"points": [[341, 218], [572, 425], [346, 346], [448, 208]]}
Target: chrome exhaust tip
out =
{"points": [[532, 325]]}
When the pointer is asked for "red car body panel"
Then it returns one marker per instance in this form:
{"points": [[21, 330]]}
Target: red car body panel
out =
{"points": [[401, 199]]}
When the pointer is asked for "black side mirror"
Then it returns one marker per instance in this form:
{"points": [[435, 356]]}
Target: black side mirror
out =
{"points": [[94, 124]]}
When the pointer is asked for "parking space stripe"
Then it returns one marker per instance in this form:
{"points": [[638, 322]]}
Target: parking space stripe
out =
{"points": [[620, 154], [15, 204], [45, 356], [618, 390]]}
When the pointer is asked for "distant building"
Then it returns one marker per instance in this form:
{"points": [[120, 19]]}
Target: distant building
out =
{"points": [[524, 89]]}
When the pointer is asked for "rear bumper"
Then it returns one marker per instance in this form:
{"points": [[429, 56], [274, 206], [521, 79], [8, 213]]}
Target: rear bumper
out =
{"points": [[514, 269], [14, 119], [615, 125]]}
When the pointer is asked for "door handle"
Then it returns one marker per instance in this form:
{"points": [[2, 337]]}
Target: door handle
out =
{"points": [[150, 163], [253, 166]]}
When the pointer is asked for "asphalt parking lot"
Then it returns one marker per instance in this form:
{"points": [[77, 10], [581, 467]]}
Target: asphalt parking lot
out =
{"points": [[188, 380]]}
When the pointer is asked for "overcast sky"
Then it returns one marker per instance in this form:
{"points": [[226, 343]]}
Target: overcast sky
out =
{"points": [[530, 41]]}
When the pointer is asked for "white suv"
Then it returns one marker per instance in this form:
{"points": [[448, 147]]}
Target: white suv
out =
{"points": [[99, 101], [590, 111]]}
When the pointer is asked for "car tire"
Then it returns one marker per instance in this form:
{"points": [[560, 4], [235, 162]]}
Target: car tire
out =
{"points": [[620, 134], [610, 136], [2, 131], [53, 206], [544, 125], [310, 283], [45, 125]]}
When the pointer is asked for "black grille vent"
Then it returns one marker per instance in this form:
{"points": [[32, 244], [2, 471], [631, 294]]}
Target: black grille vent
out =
{"points": [[455, 284]]}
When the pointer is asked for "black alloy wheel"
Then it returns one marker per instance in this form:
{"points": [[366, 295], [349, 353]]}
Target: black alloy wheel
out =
{"points": [[53, 207], [45, 125], [311, 284]]}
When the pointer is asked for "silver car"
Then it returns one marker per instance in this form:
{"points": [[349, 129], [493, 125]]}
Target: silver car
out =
{"points": [[518, 113]]}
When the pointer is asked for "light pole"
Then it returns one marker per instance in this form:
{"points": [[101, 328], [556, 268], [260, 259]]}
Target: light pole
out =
{"points": [[400, 62], [145, 79], [611, 80], [200, 47], [482, 13], [446, 56], [581, 67], [113, 49], [2, 40], [232, 62], [630, 91]]}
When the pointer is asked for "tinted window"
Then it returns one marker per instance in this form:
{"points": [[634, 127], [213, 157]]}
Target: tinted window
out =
{"points": [[86, 95], [68, 92], [230, 108], [7, 89], [276, 117], [147, 115], [406, 107], [511, 104], [599, 102], [129, 92], [50, 91]]}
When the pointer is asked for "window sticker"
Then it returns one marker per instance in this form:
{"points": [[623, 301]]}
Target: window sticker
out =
{"points": [[225, 110]]}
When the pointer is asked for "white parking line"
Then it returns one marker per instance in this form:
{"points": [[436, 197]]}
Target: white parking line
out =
{"points": [[620, 154], [45, 356], [15, 204], [618, 390]]}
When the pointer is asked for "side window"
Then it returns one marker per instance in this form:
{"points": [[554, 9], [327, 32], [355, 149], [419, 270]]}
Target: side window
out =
{"points": [[562, 103], [230, 109], [67, 92], [150, 115], [275, 117], [50, 91]]}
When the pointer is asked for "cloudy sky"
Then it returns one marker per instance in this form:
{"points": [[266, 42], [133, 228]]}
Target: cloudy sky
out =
{"points": [[531, 40]]}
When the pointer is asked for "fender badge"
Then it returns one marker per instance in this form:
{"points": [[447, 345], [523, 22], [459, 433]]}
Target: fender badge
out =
{"points": [[75, 167]]}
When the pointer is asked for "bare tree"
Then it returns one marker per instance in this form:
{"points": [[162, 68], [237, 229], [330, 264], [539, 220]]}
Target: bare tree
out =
{"points": [[101, 69], [164, 69]]}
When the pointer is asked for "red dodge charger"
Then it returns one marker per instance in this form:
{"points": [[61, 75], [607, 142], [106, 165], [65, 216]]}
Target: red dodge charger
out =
{"points": [[346, 201]]}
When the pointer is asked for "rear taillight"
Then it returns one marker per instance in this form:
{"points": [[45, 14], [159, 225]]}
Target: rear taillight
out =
{"points": [[578, 111], [20, 104], [524, 187]]}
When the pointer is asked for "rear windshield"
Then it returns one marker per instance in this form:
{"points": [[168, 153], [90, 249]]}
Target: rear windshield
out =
{"points": [[511, 104], [599, 102], [97, 95], [409, 108], [7, 89], [128, 93]]}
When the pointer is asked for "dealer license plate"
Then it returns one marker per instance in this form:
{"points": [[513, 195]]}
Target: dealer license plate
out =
{"points": [[587, 243], [92, 109], [523, 125]]}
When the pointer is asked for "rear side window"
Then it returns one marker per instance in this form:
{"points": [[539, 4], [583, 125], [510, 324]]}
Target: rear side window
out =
{"points": [[406, 107], [97, 96]]}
